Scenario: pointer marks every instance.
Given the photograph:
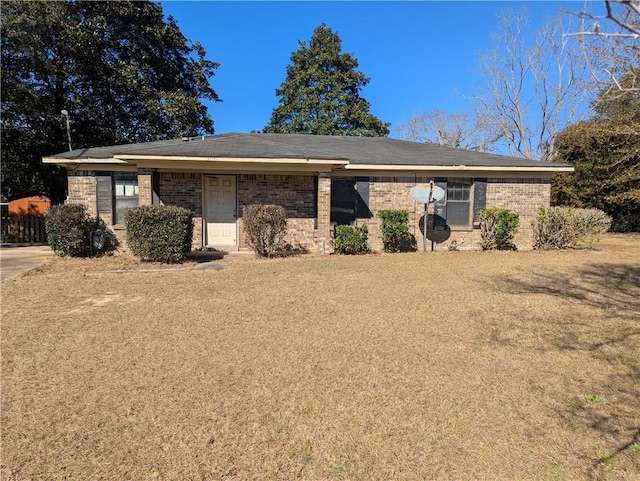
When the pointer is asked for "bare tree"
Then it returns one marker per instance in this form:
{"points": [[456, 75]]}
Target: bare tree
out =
{"points": [[450, 130], [532, 90], [610, 40]]}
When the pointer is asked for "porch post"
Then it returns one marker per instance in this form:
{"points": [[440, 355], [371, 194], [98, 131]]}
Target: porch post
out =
{"points": [[145, 187], [323, 232]]}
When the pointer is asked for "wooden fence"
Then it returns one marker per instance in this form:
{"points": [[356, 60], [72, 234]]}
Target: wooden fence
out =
{"points": [[24, 229]]}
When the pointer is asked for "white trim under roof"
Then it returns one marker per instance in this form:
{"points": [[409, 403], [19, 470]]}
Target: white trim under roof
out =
{"points": [[279, 164], [89, 160], [461, 168]]}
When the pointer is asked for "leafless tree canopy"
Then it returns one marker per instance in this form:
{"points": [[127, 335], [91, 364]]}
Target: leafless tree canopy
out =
{"points": [[610, 40], [532, 90], [450, 130]]}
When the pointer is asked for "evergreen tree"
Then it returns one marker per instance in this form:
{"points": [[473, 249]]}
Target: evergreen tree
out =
{"points": [[121, 70], [321, 92], [605, 151]]}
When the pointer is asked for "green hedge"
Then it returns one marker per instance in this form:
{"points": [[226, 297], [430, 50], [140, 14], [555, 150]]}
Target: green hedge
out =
{"points": [[498, 228], [395, 232], [159, 233], [352, 239], [69, 230]]}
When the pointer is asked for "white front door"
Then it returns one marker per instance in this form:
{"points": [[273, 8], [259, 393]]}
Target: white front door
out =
{"points": [[220, 210]]}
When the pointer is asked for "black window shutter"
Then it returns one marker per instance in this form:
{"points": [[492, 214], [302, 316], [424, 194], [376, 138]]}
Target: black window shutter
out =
{"points": [[440, 207], [362, 198], [155, 186], [479, 199], [104, 193], [315, 201]]}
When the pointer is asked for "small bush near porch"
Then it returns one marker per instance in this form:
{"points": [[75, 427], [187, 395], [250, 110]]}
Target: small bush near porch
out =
{"points": [[159, 233], [264, 226], [72, 232], [495, 365]]}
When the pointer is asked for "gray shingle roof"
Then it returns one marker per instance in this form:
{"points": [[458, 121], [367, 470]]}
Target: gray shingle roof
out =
{"points": [[377, 151]]}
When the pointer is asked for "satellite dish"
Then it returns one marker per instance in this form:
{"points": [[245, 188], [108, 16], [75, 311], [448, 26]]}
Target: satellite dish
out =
{"points": [[427, 195]]}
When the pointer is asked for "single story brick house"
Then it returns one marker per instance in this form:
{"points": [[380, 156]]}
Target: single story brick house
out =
{"points": [[321, 181]]}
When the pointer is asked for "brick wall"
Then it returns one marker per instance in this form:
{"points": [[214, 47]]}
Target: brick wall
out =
{"points": [[393, 193], [184, 190], [524, 196], [82, 190], [296, 194], [145, 189], [293, 192], [323, 232]]}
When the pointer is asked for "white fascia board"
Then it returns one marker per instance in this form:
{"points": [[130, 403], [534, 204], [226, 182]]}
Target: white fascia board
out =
{"points": [[62, 161], [102, 167], [457, 168]]}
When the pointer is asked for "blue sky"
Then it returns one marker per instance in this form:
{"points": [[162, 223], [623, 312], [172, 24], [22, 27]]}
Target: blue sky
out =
{"points": [[419, 55]]}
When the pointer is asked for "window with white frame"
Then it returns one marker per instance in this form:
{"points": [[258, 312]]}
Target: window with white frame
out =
{"points": [[459, 202], [125, 194]]}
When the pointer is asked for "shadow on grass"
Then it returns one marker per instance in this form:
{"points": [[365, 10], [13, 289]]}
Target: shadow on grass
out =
{"points": [[608, 331], [206, 255], [602, 286]]}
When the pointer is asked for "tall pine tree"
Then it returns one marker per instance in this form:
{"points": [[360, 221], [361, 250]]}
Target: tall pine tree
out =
{"points": [[121, 70], [321, 93]]}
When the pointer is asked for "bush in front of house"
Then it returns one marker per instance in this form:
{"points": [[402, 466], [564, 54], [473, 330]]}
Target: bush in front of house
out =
{"points": [[72, 232], [67, 230], [498, 228], [395, 232], [159, 233], [265, 226], [352, 239], [565, 227]]}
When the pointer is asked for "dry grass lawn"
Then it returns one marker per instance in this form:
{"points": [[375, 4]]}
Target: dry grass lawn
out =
{"points": [[445, 366]]}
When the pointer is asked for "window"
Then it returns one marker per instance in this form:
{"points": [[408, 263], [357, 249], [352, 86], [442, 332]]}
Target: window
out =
{"points": [[349, 199], [125, 193], [458, 201], [461, 205]]}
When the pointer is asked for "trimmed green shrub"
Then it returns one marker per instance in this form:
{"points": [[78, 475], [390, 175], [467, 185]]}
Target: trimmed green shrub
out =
{"points": [[564, 227], [395, 233], [69, 232], [498, 228], [159, 233], [264, 226], [352, 239]]}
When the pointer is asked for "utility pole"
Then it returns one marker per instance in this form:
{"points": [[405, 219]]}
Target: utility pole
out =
{"points": [[65, 114]]}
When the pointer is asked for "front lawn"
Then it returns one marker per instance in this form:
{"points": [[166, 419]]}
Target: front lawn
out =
{"points": [[448, 365]]}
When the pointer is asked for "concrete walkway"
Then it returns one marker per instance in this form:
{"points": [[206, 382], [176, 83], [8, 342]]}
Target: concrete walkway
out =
{"points": [[16, 259]]}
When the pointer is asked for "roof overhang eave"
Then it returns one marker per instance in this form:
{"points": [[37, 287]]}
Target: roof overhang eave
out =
{"points": [[88, 160], [461, 168]]}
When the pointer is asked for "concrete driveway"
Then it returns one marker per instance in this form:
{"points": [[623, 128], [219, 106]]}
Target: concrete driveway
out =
{"points": [[17, 259]]}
